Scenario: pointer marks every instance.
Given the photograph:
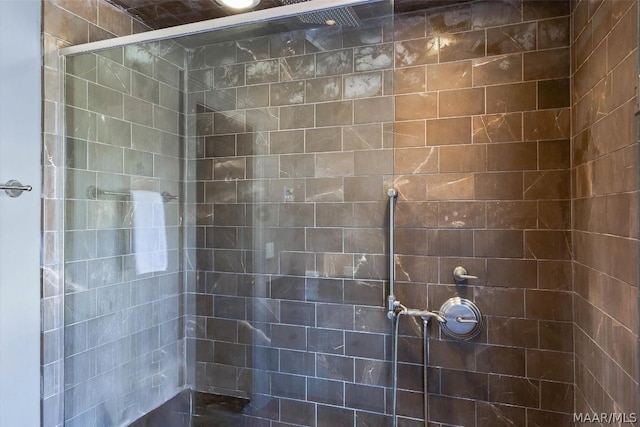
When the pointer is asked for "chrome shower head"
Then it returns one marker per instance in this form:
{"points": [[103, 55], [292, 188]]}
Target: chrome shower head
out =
{"points": [[344, 16]]}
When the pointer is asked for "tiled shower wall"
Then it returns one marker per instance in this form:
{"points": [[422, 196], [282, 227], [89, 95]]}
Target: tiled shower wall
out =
{"points": [[482, 166], [605, 205], [293, 149]]}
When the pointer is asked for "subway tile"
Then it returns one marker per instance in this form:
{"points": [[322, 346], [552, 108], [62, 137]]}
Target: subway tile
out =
{"points": [[511, 38], [416, 160], [451, 411], [373, 110], [514, 390], [325, 391], [409, 134], [297, 117], [452, 186], [416, 52], [461, 214], [335, 62], [334, 113], [324, 89], [511, 97], [409, 26], [449, 75], [516, 215], [373, 57], [548, 305], [367, 398], [416, 106], [553, 93], [449, 131], [297, 67], [497, 70], [498, 186], [328, 416], [363, 85], [287, 93], [513, 332], [334, 367], [497, 128], [496, 415], [463, 158], [461, 102], [499, 243], [547, 64], [467, 45], [409, 80]]}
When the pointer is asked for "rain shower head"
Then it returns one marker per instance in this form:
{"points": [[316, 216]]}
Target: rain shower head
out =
{"points": [[344, 16]]}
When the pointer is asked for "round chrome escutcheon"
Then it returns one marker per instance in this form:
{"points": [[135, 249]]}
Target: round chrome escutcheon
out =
{"points": [[464, 320]]}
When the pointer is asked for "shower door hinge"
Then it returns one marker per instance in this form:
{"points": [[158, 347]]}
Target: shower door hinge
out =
{"points": [[637, 109]]}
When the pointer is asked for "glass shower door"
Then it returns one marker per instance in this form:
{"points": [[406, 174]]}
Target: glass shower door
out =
{"points": [[292, 124]]}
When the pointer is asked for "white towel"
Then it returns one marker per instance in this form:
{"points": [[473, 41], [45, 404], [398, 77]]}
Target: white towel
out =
{"points": [[149, 235]]}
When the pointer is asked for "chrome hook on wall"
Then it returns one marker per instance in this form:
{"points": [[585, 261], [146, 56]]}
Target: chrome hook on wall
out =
{"points": [[14, 188]]}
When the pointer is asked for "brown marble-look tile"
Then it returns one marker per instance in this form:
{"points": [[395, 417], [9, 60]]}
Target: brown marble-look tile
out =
{"points": [[511, 97], [416, 52], [463, 158], [512, 332], [297, 117], [494, 415], [323, 139], [452, 411], [461, 102], [449, 75], [500, 360], [499, 243], [497, 128], [549, 365], [546, 124], [336, 164], [548, 64], [334, 113], [511, 38], [449, 131], [548, 305], [494, 301], [374, 162], [512, 156], [409, 134], [415, 160], [499, 186], [297, 67], [324, 89], [373, 110], [452, 186], [514, 390], [409, 26], [461, 214], [409, 80], [336, 62], [497, 69], [514, 273], [517, 215], [554, 33], [467, 45], [416, 106], [548, 244]]}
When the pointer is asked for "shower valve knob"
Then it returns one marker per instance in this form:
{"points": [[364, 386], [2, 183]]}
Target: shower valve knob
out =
{"points": [[460, 274]]}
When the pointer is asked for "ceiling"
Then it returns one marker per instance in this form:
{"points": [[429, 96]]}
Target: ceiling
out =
{"points": [[159, 14]]}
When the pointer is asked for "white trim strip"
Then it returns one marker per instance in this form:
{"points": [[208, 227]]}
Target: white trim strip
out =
{"points": [[213, 24]]}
